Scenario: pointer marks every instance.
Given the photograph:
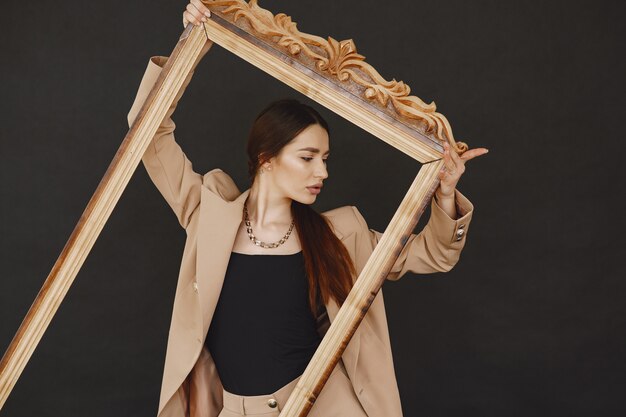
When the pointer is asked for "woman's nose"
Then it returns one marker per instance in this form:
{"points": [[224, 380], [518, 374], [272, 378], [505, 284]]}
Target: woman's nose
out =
{"points": [[321, 171]]}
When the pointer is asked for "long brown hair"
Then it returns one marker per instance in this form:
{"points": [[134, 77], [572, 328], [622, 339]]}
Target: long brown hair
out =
{"points": [[327, 262]]}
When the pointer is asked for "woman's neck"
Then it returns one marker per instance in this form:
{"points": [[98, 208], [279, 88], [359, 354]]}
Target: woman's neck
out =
{"points": [[266, 206]]}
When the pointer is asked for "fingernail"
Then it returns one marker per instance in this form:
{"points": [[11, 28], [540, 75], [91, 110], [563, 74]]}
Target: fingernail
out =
{"points": [[207, 14]]}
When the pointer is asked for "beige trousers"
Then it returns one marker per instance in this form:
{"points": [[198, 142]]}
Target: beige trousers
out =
{"points": [[261, 405]]}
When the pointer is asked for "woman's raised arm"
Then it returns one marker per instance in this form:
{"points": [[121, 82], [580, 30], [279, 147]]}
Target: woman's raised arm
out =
{"points": [[165, 161], [437, 248]]}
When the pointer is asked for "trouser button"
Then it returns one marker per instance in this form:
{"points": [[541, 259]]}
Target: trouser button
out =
{"points": [[272, 403]]}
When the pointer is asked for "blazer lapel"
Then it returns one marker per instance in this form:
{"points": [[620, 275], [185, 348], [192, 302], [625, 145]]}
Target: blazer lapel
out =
{"points": [[217, 228], [218, 221]]}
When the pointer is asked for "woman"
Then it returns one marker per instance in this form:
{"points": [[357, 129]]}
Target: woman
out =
{"points": [[263, 274]]}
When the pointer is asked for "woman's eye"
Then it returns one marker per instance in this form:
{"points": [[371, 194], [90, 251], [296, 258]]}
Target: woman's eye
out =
{"points": [[308, 159]]}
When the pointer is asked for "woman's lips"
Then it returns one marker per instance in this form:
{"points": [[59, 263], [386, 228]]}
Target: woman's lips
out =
{"points": [[314, 190]]}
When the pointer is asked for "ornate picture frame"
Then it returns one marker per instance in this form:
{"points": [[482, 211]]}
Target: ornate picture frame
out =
{"points": [[328, 71]]}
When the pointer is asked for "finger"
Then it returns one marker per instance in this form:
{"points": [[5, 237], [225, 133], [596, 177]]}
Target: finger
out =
{"points": [[190, 18], [459, 165], [450, 166], [195, 13], [456, 159], [186, 18], [201, 8], [473, 153]]}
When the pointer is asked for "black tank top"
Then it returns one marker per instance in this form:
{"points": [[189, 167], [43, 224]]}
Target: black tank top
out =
{"points": [[262, 334]]}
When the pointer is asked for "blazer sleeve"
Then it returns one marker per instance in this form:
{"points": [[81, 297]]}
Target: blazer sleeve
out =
{"points": [[165, 161], [436, 248]]}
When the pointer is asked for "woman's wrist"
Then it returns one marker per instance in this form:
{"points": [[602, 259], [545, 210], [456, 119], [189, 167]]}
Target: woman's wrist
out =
{"points": [[441, 196], [447, 203]]}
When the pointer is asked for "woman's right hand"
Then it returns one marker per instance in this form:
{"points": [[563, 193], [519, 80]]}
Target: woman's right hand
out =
{"points": [[195, 13]]}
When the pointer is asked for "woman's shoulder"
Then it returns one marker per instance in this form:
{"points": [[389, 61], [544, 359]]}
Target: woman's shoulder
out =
{"points": [[221, 184], [345, 219]]}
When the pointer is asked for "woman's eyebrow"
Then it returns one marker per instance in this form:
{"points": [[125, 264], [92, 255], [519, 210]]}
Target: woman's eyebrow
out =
{"points": [[314, 150]]}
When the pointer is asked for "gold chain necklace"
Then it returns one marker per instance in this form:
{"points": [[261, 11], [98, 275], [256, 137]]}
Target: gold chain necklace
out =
{"points": [[257, 241]]}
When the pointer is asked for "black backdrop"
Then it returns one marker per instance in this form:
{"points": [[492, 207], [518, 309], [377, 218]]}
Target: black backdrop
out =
{"points": [[530, 322]]}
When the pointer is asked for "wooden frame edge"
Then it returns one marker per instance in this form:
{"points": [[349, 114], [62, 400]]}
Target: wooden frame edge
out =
{"points": [[99, 209]]}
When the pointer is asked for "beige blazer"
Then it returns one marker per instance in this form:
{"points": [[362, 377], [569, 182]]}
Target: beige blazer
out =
{"points": [[210, 209]]}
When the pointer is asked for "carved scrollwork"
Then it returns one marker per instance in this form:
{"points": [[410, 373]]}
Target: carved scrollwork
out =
{"points": [[341, 60]]}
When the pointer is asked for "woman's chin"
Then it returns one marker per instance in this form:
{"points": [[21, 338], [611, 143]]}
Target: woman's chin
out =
{"points": [[310, 199]]}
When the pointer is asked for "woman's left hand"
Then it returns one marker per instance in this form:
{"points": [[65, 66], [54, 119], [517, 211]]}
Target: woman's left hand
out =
{"points": [[453, 168]]}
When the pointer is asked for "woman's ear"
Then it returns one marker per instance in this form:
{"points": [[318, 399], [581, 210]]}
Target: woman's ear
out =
{"points": [[266, 164]]}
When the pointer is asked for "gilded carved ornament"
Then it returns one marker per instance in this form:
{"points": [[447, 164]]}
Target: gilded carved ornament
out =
{"points": [[339, 59]]}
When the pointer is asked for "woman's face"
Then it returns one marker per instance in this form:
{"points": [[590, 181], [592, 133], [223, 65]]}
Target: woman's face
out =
{"points": [[299, 169]]}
